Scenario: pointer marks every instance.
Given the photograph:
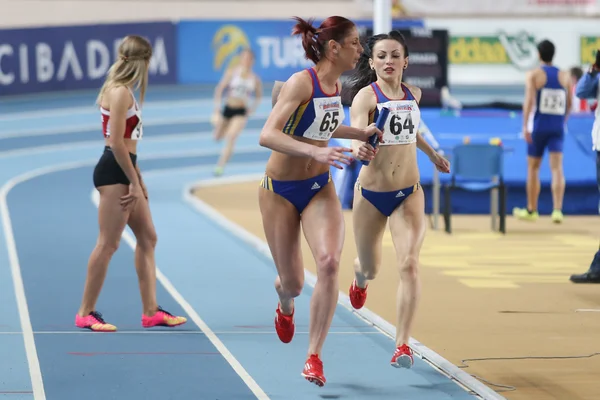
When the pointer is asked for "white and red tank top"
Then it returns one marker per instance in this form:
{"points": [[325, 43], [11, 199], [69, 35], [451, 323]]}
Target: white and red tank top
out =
{"points": [[133, 123]]}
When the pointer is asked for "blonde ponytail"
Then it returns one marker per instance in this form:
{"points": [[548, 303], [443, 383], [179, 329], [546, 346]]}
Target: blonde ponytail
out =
{"points": [[131, 67]]}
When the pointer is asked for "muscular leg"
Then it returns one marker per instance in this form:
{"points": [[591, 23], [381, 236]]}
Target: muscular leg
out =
{"points": [[407, 225], [369, 226], [558, 179], [236, 125], [140, 222], [221, 125], [533, 182], [323, 226], [281, 224], [111, 220]]}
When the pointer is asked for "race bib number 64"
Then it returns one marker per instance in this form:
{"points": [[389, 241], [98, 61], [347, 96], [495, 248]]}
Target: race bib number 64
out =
{"points": [[401, 128]]}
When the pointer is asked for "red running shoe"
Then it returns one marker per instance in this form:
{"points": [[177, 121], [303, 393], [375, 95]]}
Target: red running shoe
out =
{"points": [[358, 296], [284, 325], [403, 357], [313, 370]]}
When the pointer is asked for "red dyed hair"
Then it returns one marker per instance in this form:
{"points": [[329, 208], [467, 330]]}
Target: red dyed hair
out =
{"points": [[314, 39]]}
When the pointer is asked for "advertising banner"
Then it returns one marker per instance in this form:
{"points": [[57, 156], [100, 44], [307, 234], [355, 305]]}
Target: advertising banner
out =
{"points": [[77, 57], [500, 51], [518, 8], [207, 48]]}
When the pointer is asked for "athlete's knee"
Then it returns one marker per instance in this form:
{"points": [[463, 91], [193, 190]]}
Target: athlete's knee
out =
{"points": [[534, 166], [327, 265], [147, 239], [108, 246], [409, 268], [556, 170], [556, 165]]}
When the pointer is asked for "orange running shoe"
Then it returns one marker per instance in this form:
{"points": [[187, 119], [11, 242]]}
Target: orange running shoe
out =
{"points": [[284, 325], [358, 296], [403, 357], [313, 370]]}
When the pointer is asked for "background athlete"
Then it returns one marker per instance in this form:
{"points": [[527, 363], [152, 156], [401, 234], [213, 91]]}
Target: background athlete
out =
{"points": [[548, 92], [123, 196], [240, 83]]}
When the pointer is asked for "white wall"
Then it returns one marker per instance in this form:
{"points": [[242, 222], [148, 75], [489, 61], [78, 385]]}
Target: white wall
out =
{"points": [[26, 13]]}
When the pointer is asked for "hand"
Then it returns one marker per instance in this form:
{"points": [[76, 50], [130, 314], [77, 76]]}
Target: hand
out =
{"points": [[333, 155], [144, 189], [366, 152], [129, 201], [441, 164], [369, 131], [215, 118], [527, 135]]}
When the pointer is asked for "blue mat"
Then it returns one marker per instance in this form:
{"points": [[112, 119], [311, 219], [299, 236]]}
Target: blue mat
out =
{"points": [[581, 195]]}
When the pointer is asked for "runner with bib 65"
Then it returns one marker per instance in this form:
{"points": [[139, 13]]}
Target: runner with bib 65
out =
{"points": [[296, 191]]}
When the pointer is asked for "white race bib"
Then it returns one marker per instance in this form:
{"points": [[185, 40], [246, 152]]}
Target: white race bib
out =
{"points": [[402, 123], [138, 131], [329, 115], [553, 101], [240, 91]]}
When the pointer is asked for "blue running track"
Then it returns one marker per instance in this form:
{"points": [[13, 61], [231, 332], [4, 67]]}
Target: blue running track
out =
{"points": [[222, 283]]}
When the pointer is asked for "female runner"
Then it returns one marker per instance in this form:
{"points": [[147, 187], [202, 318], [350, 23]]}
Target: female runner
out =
{"points": [[388, 188], [240, 82], [296, 189], [123, 195]]}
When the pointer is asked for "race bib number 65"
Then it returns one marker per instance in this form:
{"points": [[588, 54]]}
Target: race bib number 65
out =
{"points": [[329, 115]]}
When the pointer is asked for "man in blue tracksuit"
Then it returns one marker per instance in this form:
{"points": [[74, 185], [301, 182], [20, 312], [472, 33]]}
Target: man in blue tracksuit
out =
{"points": [[587, 88]]}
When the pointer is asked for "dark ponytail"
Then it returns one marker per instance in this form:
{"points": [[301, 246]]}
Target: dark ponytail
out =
{"points": [[363, 75], [314, 39]]}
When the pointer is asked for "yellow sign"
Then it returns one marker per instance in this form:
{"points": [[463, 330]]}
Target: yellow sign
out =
{"points": [[477, 50], [228, 42], [588, 47], [517, 49]]}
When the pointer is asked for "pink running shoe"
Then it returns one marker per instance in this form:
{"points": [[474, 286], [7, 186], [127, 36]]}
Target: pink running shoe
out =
{"points": [[94, 322], [162, 318]]}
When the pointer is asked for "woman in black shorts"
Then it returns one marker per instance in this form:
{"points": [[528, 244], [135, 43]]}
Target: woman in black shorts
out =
{"points": [[123, 195], [240, 83]]}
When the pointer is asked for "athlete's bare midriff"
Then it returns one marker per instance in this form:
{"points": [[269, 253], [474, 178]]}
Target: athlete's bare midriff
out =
{"points": [[130, 144], [393, 168], [236, 102], [283, 167]]}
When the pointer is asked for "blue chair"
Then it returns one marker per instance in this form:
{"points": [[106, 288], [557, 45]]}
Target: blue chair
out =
{"points": [[476, 168]]}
